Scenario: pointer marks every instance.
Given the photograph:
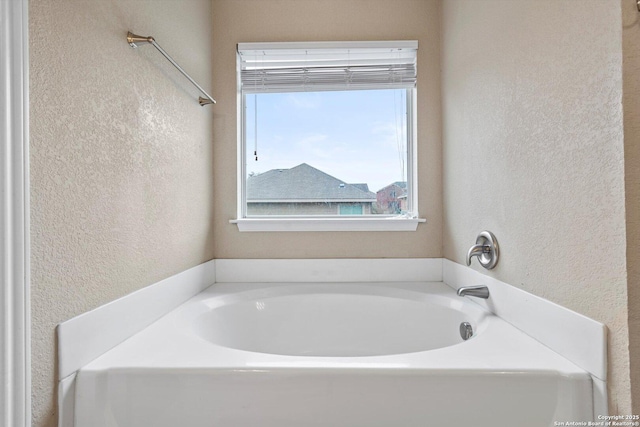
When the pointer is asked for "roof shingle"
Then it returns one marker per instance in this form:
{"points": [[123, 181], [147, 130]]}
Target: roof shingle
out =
{"points": [[303, 182]]}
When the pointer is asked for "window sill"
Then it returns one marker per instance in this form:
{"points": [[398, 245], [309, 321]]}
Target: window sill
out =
{"points": [[327, 224]]}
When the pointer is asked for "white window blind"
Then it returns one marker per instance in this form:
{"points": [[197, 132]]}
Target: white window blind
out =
{"points": [[322, 66]]}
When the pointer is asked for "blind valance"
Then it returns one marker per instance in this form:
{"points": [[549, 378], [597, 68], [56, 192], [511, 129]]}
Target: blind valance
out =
{"points": [[321, 66]]}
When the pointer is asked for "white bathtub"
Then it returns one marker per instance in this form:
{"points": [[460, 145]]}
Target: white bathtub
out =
{"points": [[334, 355]]}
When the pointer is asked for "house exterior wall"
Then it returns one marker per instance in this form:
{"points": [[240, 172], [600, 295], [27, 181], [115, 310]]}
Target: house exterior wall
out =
{"points": [[302, 208], [388, 199]]}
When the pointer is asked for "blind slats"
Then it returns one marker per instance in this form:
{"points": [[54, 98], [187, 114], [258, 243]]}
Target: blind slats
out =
{"points": [[338, 68]]}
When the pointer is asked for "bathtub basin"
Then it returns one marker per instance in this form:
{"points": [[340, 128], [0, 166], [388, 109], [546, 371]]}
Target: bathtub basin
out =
{"points": [[339, 355], [329, 321]]}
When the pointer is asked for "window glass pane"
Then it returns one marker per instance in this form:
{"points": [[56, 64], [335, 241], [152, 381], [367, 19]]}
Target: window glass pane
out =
{"points": [[353, 209], [326, 153]]}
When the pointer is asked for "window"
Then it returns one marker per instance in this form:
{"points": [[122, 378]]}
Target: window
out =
{"points": [[352, 209], [327, 130]]}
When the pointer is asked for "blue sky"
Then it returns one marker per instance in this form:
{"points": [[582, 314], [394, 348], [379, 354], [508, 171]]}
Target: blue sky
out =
{"points": [[355, 136]]}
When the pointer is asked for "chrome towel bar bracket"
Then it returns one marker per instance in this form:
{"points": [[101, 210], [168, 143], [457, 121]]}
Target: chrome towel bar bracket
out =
{"points": [[134, 40]]}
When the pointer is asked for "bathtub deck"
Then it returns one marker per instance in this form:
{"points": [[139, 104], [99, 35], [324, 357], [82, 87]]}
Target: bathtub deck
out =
{"points": [[164, 376]]}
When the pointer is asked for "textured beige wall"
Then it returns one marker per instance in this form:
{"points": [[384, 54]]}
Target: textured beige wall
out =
{"points": [[631, 105], [308, 20], [121, 159], [533, 151]]}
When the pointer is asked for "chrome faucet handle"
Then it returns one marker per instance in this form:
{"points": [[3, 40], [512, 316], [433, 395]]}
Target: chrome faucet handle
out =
{"points": [[477, 250], [486, 249]]}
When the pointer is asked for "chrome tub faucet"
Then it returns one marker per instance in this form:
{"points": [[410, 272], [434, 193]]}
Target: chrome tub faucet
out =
{"points": [[474, 291]]}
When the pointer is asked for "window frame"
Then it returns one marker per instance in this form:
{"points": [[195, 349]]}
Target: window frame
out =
{"points": [[407, 222]]}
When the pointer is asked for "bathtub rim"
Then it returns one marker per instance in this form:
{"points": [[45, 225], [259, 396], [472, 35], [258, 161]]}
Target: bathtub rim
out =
{"points": [[508, 348]]}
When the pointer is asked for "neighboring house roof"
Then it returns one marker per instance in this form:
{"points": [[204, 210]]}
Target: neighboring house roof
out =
{"points": [[363, 187], [303, 183], [400, 184]]}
